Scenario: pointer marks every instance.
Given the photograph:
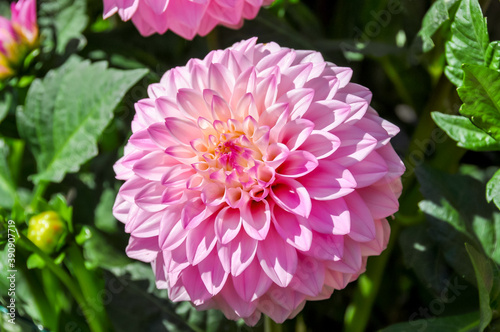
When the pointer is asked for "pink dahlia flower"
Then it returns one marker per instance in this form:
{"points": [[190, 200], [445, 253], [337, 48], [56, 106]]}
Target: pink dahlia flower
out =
{"points": [[18, 36], [184, 17], [256, 179]]}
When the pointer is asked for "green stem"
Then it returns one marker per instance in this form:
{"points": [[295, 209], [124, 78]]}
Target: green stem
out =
{"points": [[89, 285], [271, 326], [39, 297], [397, 81], [38, 192], [64, 277]]}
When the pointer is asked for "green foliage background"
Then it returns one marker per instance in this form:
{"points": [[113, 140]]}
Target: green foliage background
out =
{"points": [[434, 69]]}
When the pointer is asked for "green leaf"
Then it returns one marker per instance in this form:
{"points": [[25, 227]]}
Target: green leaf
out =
{"points": [[66, 112], [104, 219], [7, 186], [467, 135], [492, 57], [484, 276], [467, 211], [6, 102], [436, 16], [481, 98], [493, 189], [468, 42], [66, 19], [460, 323]]}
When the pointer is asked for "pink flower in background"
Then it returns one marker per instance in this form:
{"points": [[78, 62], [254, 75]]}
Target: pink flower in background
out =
{"points": [[18, 36], [256, 179], [187, 18]]}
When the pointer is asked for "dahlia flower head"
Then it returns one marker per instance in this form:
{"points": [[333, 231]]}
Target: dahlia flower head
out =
{"points": [[18, 36], [187, 18], [256, 179]]}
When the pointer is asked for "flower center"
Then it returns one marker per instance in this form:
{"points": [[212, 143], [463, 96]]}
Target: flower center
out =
{"points": [[232, 154]]}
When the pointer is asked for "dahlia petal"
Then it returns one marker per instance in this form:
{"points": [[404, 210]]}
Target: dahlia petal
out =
{"points": [[200, 241], [330, 217], [291, 196], [141, 140], [192, 103], [341, 182], [121, 208], [358, 97], [284, 298], [295, 133], [351, 260], [158, 266], [327, 114], [220, 80], [278, 260], [238, 305], [299, 100], [220, 109], [321, 144], [372, 169], [143, 249], [245, 83], [194, 212], [377, 245], [276, 154], [380, 199], [396, 168], [142, 224], [159, 134], [176, 259], [212, 274], [362, 224], [326, 247], [298, 163], [356, 145], [176, 175], [227, 224], [150, 197], [213, 194], [183, 131], [237, 255], [154, 165], [276, 312], [265, 93], [310, 277], [172, 234], [194, 285], [256, 219], [294, 230]]}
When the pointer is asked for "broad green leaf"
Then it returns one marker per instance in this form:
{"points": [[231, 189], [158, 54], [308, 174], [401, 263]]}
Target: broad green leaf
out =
{"points": [[484, 276], [66, 112], [424, 255], [460, 323], [65, 20], [7, 186], [467, 135], [493, 189], [481, 98], [435, 17], [469, 40], [492, 57], [467, 211]]}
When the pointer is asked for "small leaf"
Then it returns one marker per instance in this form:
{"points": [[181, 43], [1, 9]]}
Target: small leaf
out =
{"points": [[492, 57], [484, 276], [66, 112], [481, 98], [468, 42], [436, 16], [493, 189], [35, 262], [462, 130]]}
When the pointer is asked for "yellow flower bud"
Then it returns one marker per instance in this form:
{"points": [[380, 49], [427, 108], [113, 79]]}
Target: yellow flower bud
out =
{"points": [[45, 230]]}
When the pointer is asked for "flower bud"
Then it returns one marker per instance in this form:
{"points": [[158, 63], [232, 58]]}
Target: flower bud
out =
{"points": [[45, 230]]}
